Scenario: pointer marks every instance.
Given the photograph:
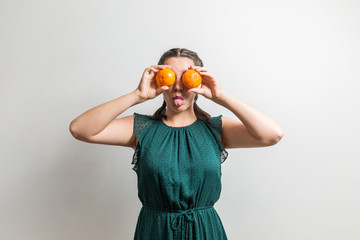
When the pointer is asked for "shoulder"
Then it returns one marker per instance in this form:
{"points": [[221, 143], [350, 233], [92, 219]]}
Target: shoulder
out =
{"points": [[142, 119], [140, 116], [215, 124], [141, 124]]}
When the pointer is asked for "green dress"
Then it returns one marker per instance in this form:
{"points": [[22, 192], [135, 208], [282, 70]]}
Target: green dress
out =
{"points": [[179, 179]]}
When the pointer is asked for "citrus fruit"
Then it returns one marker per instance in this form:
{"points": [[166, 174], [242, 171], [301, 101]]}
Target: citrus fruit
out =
{"points": [[191, 78], [165, 77]]}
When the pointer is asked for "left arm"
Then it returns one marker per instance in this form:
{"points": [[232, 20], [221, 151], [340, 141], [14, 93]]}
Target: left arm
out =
{"points": [[255, 129], [252, 129]]}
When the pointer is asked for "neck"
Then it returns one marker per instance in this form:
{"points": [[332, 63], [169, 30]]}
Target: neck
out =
{"points": [[180, 118]]}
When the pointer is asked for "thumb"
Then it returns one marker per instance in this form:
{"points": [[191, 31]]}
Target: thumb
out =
{"points": [[197, 90], [161, 89]]}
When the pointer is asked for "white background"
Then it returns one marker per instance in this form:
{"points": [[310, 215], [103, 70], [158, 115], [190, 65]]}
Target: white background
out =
{"points": [[296, 61]]}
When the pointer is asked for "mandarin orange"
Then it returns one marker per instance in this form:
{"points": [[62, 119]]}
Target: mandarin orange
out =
{"points": [[191, 78], [165, 77]]}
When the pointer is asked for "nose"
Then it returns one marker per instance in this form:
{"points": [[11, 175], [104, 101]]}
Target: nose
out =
{"points": [[178, 85]]}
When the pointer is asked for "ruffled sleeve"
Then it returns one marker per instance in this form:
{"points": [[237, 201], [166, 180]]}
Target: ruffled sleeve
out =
{"points": [[141, 124], [216, 126]]}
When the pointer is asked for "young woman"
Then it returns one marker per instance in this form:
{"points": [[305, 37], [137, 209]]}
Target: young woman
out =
{"points": [[178, 150]]}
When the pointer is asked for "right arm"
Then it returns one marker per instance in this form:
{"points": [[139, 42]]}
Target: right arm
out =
{"points": [[100, 125]]}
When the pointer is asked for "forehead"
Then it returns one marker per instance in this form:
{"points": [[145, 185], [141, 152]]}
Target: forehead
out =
{"points": [[179, 62]]}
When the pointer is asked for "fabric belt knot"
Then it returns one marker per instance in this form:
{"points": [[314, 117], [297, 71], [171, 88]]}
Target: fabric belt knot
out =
{"points": [[187, 214]]}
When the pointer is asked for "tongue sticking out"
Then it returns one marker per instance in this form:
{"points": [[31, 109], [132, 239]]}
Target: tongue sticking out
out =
{"points": [[178, 102]]}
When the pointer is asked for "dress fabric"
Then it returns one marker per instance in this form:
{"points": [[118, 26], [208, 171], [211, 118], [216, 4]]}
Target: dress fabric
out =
{"points": [[179, 179]]}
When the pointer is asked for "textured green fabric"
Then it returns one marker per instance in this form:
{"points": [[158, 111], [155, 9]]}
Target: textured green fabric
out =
{"points": [[179, 179]]}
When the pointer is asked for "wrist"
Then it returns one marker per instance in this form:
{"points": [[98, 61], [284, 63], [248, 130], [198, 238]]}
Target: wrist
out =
{"points": [[138, 97], [219, 97]]}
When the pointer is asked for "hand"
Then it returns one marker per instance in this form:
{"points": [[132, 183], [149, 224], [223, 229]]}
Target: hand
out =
{"points": [[210, 87], [148, 87]]}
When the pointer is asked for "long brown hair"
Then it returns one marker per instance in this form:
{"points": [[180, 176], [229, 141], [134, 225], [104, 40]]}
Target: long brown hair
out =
{"points": [[182, 52]]}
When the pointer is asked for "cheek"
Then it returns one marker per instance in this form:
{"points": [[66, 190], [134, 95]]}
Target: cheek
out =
{"points": [[190, 95], [190, 99], [167, 97]]}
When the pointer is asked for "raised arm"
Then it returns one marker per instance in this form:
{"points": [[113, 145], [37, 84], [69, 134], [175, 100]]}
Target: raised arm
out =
{"points": [[252, 128], [100, 125]]}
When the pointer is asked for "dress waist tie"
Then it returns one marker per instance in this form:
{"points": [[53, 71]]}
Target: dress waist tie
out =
{"points": [[188, 214]]}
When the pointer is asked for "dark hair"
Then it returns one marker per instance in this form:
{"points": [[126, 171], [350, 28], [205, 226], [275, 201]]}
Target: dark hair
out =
{"points": [[182, 52]]}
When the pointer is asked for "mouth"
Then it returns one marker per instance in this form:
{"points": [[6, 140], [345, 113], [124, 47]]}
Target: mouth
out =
{"points": [[178, 101]]}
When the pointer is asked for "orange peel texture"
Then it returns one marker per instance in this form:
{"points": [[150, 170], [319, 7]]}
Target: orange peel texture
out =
{"points": [[191, 78], [165, 77]]}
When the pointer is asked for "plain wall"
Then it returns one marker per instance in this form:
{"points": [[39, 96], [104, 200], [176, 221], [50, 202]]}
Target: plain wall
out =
{"points": [[296, 61]]}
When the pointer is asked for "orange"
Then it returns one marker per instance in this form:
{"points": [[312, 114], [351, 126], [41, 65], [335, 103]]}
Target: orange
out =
{"points": [[165, 77], [191, 78]]}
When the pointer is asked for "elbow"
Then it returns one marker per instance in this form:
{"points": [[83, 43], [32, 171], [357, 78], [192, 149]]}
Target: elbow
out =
{"points": [[273, 139], [74, 131], [277, 137], [77, 133]]}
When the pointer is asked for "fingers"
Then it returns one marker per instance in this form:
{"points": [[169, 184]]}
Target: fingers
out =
{"points": [[161, 66], [197, 90], [199, 69], [157, 68], [152, 70], [202, 71]]}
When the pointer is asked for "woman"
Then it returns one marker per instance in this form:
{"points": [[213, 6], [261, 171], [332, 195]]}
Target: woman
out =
{"points": [[178, 150]]}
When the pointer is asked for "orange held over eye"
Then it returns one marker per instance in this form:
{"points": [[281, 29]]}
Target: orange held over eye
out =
{"points": [[165, 77], [191, 78]]}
